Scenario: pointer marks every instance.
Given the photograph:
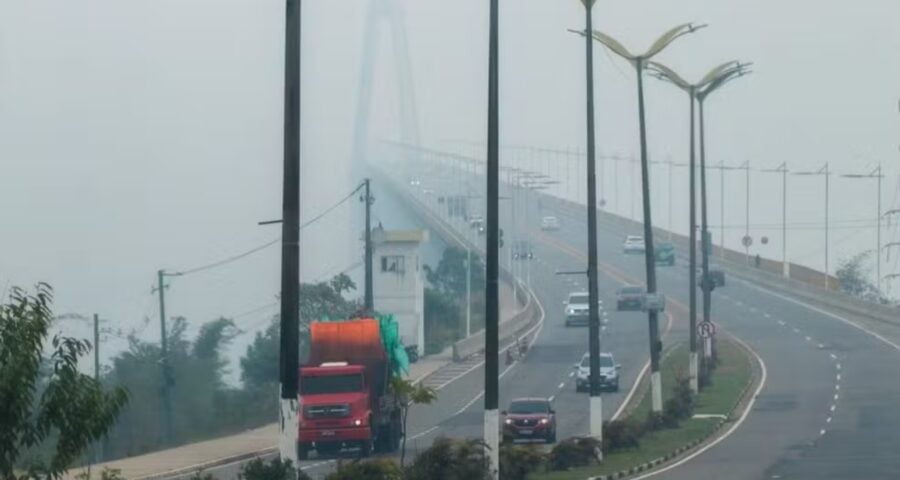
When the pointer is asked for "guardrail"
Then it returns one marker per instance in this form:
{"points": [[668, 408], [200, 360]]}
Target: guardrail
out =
{"points": [[801, 289], [510, 329]]}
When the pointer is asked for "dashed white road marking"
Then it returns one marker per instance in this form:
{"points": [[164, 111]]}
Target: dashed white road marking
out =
{"points": [[832, 407], [822, 432], [838, 376], [781, 322], [837, 386], [837, 366], [551, 398], [767, 315], [571, 374], [821, 345], [808, 339], [561, 385], [796, 330], [833, 356], [836, 396], [828, 420]]}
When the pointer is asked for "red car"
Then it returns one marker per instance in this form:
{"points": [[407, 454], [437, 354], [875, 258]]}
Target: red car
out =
{"points": [[529, 418]]}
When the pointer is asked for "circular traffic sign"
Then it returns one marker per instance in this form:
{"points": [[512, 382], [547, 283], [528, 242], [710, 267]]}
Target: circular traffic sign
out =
{"points": [[706, 329], [747, 240], [764, 240]]}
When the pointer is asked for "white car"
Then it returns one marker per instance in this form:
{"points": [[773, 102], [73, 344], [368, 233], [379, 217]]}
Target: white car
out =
{"points": [[577, 308], [634, 244], [549, 223], [609, 373]]}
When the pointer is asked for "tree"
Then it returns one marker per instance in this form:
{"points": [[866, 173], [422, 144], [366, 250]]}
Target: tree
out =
{"points": [[276, 469], [450, 275], [409, 394], [57, 400], [853, 276], [448, 459], [381, 469], [443, 324]]}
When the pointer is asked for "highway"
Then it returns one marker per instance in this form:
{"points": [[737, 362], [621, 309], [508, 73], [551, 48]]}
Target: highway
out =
{"points": [[826, 409]]}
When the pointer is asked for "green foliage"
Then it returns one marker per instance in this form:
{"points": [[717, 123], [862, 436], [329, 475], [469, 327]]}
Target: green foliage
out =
{"points": [[200, 475], [56, 403], [450, 275], [518, 461], [680, 406], [409, 394], [621, 435], [448, 459], [574, 452], [106, 474], [853, 278], [276, 469], [443, 323], [382, 469], [259, 366]]}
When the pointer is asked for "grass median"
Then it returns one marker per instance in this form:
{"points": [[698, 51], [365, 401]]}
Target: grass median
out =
{"points": [[730, 381]]}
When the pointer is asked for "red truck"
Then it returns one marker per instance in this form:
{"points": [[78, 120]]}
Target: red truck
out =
{"points": [[345, 398]]}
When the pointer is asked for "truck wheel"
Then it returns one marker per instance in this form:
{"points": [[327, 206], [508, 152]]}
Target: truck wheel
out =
{"points": [[302, 451]]}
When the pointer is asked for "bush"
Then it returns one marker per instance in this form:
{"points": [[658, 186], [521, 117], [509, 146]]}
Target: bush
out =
{"points": [[517, 461], [620, 435], [448, 459], [258, 469], [681, 405], [653, 422], [201, 476], [382, 469], [574, 452]]}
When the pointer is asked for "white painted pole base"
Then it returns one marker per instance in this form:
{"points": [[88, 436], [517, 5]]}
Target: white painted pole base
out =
{"points": [[288, 429], [596, 419], [786, 269], [693, 369], [656, 391], [492, 440]]}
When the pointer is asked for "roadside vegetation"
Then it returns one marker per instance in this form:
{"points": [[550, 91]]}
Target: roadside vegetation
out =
{"points": [[445, 299]]}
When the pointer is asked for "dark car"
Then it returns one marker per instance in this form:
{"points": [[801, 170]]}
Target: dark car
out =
{"points": [[630, 298], [529, 418], [665, 254]]}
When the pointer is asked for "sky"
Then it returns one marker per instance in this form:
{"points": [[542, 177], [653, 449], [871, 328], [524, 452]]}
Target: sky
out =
{"points": [[139, 135]]}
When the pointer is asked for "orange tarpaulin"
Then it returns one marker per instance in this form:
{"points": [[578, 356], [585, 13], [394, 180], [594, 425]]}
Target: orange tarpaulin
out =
{"points": [[352, 341]]}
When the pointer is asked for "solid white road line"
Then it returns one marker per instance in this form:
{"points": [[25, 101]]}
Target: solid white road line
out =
{"points": [[734, 426]]}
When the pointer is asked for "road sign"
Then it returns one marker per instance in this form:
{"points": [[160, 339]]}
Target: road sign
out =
{"points": [[654, 302], [706, 329], [747, 240], [764, 240]]}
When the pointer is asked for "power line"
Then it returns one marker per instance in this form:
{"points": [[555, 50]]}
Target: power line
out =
{"points": [[265, 245]]}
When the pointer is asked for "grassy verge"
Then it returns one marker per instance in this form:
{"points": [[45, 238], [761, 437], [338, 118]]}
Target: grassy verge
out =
{"points": [[729, 382]]}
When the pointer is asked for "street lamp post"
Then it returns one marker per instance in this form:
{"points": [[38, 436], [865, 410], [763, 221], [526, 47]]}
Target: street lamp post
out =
{"points": [[639, 62], [876, 174], [783, 170], [663, 72], [824, 171]]}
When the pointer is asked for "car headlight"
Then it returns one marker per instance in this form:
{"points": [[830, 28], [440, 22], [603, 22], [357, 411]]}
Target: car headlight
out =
{"points": [[508, 421], [570, 311], [545, 421]]}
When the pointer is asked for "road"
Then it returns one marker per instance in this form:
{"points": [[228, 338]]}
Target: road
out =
{"points": [[826, 411]]}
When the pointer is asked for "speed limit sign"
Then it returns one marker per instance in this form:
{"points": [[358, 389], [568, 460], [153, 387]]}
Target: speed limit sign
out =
{"points": [[707, 329]]}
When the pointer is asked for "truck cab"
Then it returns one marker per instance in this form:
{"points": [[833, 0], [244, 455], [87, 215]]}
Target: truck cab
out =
{"points": [[336, 408]]}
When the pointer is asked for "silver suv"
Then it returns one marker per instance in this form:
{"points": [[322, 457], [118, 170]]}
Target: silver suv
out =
{"points": [[577, 309], [609, 373]]}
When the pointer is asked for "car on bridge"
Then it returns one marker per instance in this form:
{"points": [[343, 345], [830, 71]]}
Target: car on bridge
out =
{"points": [[665, 254], [549, 223], [630, 297], [577, 309], [521, 250], [529, 418], [609, 373], [634, 244]]}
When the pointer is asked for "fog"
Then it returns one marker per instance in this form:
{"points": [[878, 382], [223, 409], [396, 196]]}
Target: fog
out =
{"points": [[146, 134]]}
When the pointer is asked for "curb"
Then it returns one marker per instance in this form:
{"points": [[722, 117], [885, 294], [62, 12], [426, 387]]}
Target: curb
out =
{"points": [[656, 462], [212, 463]]}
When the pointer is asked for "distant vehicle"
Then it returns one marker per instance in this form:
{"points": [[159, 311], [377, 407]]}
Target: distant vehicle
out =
{"points": [[609, 373], [521, 250], [344, 389], [630, 298], [665, 254], [476, 220], [427, 191], [529, 418], [577, 309], [634, 244], [414, 183], [550, 223]]}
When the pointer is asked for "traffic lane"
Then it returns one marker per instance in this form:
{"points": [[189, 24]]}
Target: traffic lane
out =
{"points": [[789, 413], [858, 441]]}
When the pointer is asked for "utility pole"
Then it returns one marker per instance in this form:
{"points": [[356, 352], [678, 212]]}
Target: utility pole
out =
{"points": [[370, 295], [290, 237], [468, 292], [98, 453], [596, 400], [164, 360], [492, 304], [783, 170], [693, 363], [746, 167]]}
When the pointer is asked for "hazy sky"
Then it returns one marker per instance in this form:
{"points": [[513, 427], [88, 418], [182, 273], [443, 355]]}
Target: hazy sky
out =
{"points": [[145, 134]]}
